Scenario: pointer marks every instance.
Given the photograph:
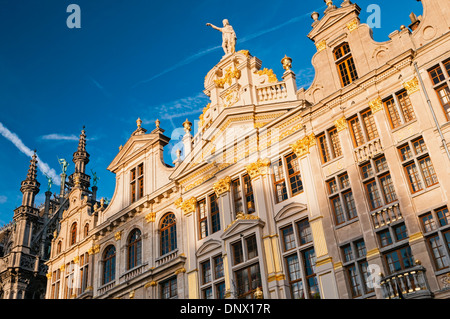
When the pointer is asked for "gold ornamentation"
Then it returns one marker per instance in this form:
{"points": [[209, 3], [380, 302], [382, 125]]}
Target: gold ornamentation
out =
{"points": [[260, 167], [352, 25], [269, 72], [245, 52], [376, 105], [230, 74], [150, 284], [49, 275], [286, 62], [62, 268], [242, 216], [178, 202], [411, 86], [341, 124], [416, 236], [76, 259], [180, 271], [94, 250], [188, 206], [321, 45], [258, 293], [301, 147], [150, 217], [373, 252], [118, 235], [222, 186], [324, 261], [231, 97]]}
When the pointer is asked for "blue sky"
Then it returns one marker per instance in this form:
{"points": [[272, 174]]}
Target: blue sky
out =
{"points": [[130, 59]]}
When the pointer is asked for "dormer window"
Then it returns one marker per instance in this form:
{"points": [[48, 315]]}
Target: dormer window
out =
{"points": [[137, 183], [345, 64]]}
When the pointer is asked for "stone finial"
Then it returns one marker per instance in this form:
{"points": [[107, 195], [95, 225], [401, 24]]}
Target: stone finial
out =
{"points": [[286, 62], [157, 123], [329, 3], [139, 122]]}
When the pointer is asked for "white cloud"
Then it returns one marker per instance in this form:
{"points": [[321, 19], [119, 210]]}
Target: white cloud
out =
{"points": [[43, 167], [3, 199], [60, 137]]}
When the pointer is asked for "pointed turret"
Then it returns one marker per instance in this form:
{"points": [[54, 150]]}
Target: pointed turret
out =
{"points": [[81, 158], [30, 186]]}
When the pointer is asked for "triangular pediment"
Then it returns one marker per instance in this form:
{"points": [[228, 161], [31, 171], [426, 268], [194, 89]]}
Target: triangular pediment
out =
{"points": [[133, 147], [289, 210], [208, 246], [332, 17], [240, 225]]}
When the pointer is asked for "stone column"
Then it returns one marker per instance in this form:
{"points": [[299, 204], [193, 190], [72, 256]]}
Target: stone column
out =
{"points": [[188, 208], [258, 172], [324, 262]]}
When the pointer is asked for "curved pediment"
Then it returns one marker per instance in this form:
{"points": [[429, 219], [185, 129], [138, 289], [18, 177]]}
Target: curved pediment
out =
{"points": [[208, 246], [290, 210]]}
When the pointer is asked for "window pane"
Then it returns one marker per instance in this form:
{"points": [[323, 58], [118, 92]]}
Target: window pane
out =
{"points": [[394, 117], [304, 231], [369, 124], [335, 143], [288, 238], [413, 178], [406, 106], [428, 222], [440, 259], [373, 195], [252, 249], [428, 171], [238, 254], [388, 189], [443, 216]]}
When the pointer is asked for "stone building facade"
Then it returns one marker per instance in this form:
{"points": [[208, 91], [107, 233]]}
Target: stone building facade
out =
{"points": [[336, 191]]}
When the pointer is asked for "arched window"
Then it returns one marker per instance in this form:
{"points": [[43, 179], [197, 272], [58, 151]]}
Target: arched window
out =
{"points": [[345, 64], [134, 249], [86, 230], [109, 264], [73, 234], [168, 234]]}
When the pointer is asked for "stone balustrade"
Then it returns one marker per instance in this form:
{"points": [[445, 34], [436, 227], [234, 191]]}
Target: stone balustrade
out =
{"points": [[166, 258], [386, 215], [408, 284], [272, 92], [368, 150]]}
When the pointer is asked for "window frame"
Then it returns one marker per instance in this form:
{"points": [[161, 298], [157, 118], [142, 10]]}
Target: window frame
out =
{"points": [[442, 84], [345, 59], [337, 194], [137, 185], [396, 106]]}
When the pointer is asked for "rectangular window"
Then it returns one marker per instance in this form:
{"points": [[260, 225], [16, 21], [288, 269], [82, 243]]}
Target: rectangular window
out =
{"points": [[202, 218], [399, 259], [329, 145], [237, 196], [304, 231], [417, 165], [288, 238], [437, 236], [345, 64], [362, 128], [238, 253], [169, 289], [206, 272], [294, 177], [341, 199], [279, 181], [214, 210], [137, 182], [441, 83], [378, 183], [248, 194], [247, 280]]}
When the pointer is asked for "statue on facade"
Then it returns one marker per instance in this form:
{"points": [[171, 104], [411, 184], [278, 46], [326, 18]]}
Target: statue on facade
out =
{"points": [[228, 36], [95, 178], [49, 182], [63, 164]]}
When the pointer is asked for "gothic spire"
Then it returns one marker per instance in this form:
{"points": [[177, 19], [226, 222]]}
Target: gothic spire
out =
{"points": [[81, 159], [30, 186]]}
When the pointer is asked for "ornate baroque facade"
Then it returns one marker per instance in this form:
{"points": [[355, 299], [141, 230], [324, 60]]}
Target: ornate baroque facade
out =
{"points": [[337, 191]]}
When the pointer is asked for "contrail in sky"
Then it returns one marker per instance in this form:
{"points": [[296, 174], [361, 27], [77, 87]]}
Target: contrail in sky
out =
{"points": [[206, 51], [43, 167]]}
